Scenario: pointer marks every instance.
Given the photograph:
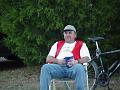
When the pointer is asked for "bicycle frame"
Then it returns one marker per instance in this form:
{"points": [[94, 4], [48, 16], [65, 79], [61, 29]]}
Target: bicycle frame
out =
{"points": [[103, 74], [113, 67]]}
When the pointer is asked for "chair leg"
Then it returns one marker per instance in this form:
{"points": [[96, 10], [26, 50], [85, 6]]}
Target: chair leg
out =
{"points": [[87, 86], [67, 86], [54, 88], [52, 85], [86, 72]]}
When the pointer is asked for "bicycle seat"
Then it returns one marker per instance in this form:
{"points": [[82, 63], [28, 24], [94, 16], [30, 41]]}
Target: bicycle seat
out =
{"points": [[94, 39]]}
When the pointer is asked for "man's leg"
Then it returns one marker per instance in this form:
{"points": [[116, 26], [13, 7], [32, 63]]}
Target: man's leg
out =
{"points": [[49, 71], [77, 72]]}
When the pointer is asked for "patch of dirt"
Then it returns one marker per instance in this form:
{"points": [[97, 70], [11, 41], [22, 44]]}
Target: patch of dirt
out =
{"points": [[23, 78]]}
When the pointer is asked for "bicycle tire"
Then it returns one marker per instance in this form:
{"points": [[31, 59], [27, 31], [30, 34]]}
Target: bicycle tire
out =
{"points": [[92, 74]]}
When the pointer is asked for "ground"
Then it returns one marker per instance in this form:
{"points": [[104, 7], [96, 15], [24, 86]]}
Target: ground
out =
{"points": [[15, 77]]}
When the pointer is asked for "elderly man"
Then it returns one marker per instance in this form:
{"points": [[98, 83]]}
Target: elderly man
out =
{"points": [[66, 60]]}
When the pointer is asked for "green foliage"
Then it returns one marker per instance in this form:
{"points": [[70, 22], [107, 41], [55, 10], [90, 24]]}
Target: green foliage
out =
{"points": [[32, 26]]}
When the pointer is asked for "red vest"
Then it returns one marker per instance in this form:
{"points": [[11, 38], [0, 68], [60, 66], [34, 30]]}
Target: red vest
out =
{"points": [[76, 50]]}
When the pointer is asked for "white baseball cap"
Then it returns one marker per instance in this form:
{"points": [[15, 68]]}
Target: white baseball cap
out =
{"points": [[69, 28]]}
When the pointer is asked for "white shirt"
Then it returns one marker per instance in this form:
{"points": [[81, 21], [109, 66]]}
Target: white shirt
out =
{"points": [[66, 50]]}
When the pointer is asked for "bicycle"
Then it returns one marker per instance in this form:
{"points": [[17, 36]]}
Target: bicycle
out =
{"points": [[97, 74]]}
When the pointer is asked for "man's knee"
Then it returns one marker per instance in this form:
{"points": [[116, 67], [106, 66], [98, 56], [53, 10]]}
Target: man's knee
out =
{"points": [[45, 67], [48, 67], [79, 67]]}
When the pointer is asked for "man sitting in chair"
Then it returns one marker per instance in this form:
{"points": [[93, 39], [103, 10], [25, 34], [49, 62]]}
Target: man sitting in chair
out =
{"points": [[66, 60]]}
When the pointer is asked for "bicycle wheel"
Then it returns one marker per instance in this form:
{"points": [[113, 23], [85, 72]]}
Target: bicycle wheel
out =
{"points": [[92, 74]]}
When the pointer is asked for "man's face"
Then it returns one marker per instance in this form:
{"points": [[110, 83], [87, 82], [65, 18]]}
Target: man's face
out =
{"points": [[69, 36]]}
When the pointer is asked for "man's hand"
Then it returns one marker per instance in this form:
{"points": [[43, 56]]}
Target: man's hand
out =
{"points": [[72, 62], [82, 60], [50, 59], [61, 61]]}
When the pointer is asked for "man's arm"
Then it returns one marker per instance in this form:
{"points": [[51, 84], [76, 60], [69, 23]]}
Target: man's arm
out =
{"points": [[85, 55], [54, 60]]}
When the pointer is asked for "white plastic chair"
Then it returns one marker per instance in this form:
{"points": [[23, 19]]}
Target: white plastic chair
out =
{"points": [[66, 82]]}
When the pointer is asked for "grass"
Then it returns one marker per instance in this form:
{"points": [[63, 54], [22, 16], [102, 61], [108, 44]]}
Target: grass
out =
{"points": [[24, 78], [114, 84], [27, 78]]}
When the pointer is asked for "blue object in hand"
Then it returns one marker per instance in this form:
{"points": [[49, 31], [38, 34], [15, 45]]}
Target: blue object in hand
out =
{"points": [[68, 59]]}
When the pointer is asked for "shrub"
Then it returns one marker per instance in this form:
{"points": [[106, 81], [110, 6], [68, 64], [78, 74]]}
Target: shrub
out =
{"points": [[32, 26]]}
